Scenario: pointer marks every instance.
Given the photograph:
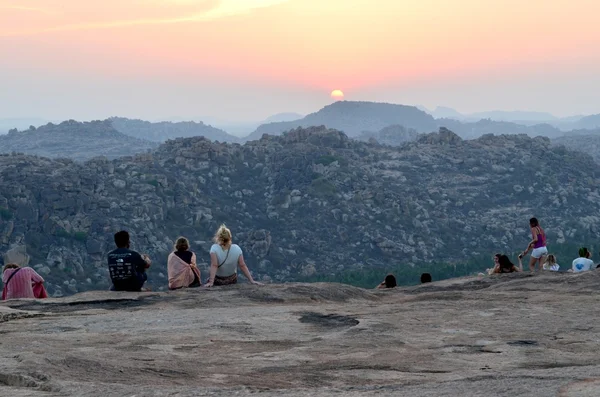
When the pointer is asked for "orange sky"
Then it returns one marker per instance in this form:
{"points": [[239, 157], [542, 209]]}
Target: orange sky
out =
{"points": [[300, 50]]}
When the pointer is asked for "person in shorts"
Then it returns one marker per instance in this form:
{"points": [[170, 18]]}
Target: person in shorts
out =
{"points": [[537, 246]]}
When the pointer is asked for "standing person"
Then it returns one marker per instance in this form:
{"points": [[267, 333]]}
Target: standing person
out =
{"points": [[584, 262], [22, 282], [538, 244], [181, 266], [225, 258], [127, 268]]}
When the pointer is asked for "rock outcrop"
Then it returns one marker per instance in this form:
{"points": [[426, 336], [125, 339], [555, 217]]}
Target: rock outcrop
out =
{"points": [[506, 335], [309, 202]]}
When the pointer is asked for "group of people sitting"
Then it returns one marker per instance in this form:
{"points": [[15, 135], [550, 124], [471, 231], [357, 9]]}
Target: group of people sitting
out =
{"points": [[127, 268], [540, 259], [390, 281]]}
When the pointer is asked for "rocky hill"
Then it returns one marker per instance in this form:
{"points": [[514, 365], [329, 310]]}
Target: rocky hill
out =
{"points": [[353, 118], [505, 335], [584, 141], [308, 202], [394, 135], [74, 140], [163, 131]]}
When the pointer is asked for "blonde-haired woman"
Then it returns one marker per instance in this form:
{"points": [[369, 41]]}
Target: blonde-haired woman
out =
{"points": [[225, 258], [181, 266]]}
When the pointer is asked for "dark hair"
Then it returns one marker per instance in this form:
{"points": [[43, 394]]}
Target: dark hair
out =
{"points": [[497, 256], [425, 278], [583, 252], [534, 222], [506, 266], [122, 239], [390, 281], [182, 244]]}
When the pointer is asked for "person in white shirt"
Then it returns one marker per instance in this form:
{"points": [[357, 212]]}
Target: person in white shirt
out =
{"points": [[583, 263], [551, 264], [225, 258]]}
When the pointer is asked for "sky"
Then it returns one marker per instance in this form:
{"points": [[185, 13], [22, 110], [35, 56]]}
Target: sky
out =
{"points": [[244, 60]]}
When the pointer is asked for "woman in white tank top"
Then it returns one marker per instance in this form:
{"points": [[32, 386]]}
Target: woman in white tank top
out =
{"points": [[225, 258]]}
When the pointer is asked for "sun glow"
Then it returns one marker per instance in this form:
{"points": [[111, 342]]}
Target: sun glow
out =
{"points": [[338, 95]]}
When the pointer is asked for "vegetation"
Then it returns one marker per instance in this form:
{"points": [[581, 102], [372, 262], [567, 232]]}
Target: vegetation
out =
{"points": [[77, 236], [5, 214]]}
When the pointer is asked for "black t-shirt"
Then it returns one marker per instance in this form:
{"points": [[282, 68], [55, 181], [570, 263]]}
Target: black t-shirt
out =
{"points": [[127, 269]]}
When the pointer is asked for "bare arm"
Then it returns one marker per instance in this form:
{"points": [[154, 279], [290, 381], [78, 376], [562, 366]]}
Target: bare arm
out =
{"points": [[520, 264], [244, 269], [534, 240], [214, 265]]}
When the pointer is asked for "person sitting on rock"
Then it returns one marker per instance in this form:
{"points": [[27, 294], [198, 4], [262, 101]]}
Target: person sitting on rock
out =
{"points": [[225, 258], [583, 263], [22, 282], [506, 266], [127, 268], [425, 278], [496, 268], [551, 264], [181, 266], [388, 282]]}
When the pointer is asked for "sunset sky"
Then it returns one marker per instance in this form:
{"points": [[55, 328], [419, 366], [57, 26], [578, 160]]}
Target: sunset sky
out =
{"points": [[247, 59]]}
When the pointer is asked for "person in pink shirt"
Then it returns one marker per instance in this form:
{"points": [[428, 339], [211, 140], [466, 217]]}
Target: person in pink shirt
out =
{"points": [[22, 282]]}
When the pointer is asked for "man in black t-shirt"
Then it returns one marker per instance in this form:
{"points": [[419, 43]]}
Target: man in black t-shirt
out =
{"points": [[127, 268]]}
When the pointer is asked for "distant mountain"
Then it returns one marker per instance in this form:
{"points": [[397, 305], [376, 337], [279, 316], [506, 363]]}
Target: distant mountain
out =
{"points": [[442, 112], [20, 123], [588, 122], [514, 116], [470, 130], [163, 131], [355, 117], [74, 140], [282, 117]]}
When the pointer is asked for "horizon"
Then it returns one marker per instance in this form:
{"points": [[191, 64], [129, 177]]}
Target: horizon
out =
{"points": [[242, 61]]}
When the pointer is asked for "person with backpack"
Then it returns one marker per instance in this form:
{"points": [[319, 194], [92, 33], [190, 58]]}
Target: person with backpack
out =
{"points": [[22, 282], [225, 258]]}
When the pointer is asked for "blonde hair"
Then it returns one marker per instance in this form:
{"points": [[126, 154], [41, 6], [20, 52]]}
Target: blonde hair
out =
{"points": [[223, 236], [9, 266], [182, 244], [551, 259]]}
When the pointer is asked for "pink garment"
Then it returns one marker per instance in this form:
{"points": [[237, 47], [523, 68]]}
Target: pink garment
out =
{"points": [[181, 274], [23, 284]]}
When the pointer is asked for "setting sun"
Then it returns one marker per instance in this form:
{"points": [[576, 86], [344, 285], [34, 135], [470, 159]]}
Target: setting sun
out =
{"points": [[338, 95]]}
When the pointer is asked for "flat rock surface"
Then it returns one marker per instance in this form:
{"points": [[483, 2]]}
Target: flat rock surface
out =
{"points": [[509, 335]]}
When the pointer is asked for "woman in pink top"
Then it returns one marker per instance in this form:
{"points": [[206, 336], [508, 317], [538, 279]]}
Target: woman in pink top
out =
{"points": [[537, 246], [22, 282]]}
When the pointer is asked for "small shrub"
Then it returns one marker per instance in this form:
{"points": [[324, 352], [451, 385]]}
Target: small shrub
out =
{"points": [[5, 214], [80, 236]]}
